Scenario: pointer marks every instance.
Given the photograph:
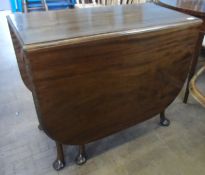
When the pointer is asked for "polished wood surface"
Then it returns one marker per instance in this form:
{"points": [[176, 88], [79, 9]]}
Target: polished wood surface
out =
{"points": [[195, 8], [20, 58], [95, 78], [52, 26], [104, 89]]}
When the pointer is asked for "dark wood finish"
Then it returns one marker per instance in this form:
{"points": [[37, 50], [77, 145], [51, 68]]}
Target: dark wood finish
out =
{"points": [[43, 29], [163, 120], [81, 157], [195, 8], [20, 58], [60, 154], [97, 71], [59, 163], [99, 90]]}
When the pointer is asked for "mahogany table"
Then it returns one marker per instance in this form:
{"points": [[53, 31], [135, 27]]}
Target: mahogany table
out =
{"points": [[195, 8], [95, 71]]}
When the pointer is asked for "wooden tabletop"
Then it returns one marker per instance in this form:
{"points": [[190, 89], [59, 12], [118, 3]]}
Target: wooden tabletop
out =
{"points": [[52, 26], [192, 7]]}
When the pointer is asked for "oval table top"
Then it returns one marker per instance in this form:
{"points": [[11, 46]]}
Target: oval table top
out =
{"points": [[62, 26], [191, 7]]}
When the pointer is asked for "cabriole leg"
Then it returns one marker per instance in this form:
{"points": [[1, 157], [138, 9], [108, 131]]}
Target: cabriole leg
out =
{"points": [[163, 120], [81, 158], [59, 163]]}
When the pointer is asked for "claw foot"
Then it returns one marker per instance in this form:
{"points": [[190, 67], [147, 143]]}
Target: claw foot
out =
{"points": [[81, 158], [164, 122], [58, 165]]}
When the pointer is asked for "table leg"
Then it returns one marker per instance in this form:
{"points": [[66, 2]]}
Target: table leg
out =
{"points": [[59, 163], [193, 64], [81, 158], [163, 120]]}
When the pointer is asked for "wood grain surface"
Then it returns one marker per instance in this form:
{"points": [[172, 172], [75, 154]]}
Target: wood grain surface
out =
{"points": [[20, 58], [101, 79], [41, 27], [91, 90], [197, 9]]}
